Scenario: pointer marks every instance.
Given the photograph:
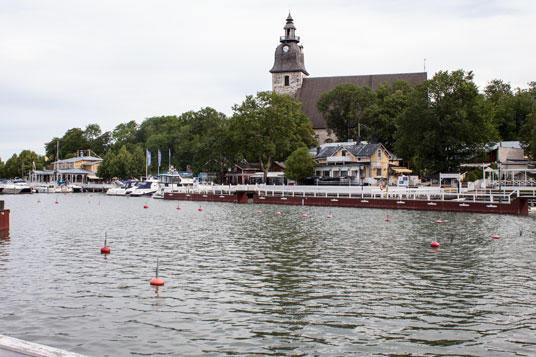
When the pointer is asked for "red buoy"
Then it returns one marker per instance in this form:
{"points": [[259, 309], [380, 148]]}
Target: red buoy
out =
{"points": [[259, 212], [278, 213], [105, 249], [200, 209], [57, 202], [157, 282], [145, 206], [439, 221], [434, 244], [178, 207], [388, 219], [330, 216], [305, 215], [495, 236]]}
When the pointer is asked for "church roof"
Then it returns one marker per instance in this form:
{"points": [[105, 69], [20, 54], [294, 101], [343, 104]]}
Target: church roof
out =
{"points": [[313, 88]]}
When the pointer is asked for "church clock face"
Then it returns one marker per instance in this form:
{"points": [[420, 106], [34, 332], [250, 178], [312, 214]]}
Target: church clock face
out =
{"points": [[285, 48]]}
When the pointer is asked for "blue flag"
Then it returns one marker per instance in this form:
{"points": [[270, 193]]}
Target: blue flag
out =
{"points": [[148, 157], [159, 158]]}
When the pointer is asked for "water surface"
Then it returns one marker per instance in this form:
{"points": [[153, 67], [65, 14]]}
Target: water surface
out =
{"points": [[242, 283]]}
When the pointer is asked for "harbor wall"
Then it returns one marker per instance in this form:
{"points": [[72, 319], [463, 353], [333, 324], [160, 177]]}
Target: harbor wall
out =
{"points": [[518, 206]]}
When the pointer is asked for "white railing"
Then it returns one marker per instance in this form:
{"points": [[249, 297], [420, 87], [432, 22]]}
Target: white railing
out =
{"points": [[420, 193]]}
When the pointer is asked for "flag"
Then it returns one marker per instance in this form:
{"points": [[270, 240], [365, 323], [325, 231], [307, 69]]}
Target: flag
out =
{"points": [[148, 158], [159, 158]]}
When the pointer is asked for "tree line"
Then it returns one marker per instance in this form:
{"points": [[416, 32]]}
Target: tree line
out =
{"points": [[437, 125], [433, 126]]}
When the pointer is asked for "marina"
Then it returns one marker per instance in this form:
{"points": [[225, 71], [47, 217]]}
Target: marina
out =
{"points": [[242, 279]]}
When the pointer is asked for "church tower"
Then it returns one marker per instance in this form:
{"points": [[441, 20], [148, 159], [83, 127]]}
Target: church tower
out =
{"points": [[289, 68]]}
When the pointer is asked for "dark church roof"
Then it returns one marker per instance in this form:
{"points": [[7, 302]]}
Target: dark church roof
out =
{"points": [[313, 88]]}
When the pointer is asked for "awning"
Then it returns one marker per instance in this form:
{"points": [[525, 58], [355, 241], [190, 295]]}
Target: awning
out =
{"points": [[401, 170], [93, 177]]}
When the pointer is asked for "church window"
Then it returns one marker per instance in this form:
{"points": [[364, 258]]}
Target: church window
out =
{"points": [[287, 81]]}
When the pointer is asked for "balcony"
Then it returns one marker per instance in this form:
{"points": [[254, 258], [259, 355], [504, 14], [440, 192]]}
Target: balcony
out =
{"points": [[285, 38]]}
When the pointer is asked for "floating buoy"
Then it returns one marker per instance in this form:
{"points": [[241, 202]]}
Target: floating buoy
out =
{"points": [[200, 209], [105, 249], [439, 221], [388, 219], [56, 202], [145, 205], [38, 201], [278, 213], [305, 215], [259, 212], [157, 281], [434, 244], [330, 216], [495, 236], [178, 207]]}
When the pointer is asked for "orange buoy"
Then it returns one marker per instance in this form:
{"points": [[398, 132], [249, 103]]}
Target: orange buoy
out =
{"points": [[278, 213], [495, 236], [434, 244], [157, 281]]}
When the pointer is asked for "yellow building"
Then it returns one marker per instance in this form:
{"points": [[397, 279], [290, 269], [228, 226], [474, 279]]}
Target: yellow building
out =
{"points": [[354, 163]]}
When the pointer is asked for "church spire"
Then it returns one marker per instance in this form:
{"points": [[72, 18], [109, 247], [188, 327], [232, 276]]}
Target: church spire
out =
{"points": [[289, 68]]}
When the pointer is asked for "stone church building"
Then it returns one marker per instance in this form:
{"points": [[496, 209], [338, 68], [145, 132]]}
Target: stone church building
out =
{"points": [[290, 76]]}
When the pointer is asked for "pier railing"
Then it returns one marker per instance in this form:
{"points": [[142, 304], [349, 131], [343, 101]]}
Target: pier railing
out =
{"points": [[374, 192]]}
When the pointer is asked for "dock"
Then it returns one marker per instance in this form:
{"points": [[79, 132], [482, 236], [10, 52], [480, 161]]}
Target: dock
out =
{"points": [[514, 200]]}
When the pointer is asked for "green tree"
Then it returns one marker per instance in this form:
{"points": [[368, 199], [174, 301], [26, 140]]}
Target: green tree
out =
{"points": [[21, 165], [269, 127], [380, 118], [528, 135], [125, 133], [299, 165], [343, 107], [92, 132], [105, 168], [137, 163], [446, 123]]}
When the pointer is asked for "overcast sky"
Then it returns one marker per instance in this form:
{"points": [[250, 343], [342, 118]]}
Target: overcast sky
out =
{"points": [[70, 63]]}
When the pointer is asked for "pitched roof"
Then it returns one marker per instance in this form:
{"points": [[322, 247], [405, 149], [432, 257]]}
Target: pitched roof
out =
{"points": [[313, 88], [79, 158], [358, 150]]}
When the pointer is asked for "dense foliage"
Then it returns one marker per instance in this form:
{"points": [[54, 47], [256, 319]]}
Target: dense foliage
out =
{"points": [[299, 165]]}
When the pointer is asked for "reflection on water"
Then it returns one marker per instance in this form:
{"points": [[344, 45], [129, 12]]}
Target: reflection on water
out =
{"points": [[238, 282]]}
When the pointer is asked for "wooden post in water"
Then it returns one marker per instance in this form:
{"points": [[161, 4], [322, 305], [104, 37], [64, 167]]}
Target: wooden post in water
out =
{"points": [[4, 218]]}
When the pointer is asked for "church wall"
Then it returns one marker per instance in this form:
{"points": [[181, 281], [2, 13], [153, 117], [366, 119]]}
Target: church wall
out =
{"points": [[278, 82], [322, 136]]}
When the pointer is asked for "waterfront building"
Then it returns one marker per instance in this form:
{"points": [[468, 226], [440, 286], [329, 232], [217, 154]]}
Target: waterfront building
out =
{"points": [[81, 169], [290, 76], [357, 163]]}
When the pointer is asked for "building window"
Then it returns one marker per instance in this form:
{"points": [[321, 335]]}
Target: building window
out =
{"points": [[378, 172], [287, 81], [379, 154]]}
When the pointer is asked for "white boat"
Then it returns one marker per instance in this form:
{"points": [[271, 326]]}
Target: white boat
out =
{"points": [[146, 188], [15, 187], [124, 190], [53, 187], [172, 180]]}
